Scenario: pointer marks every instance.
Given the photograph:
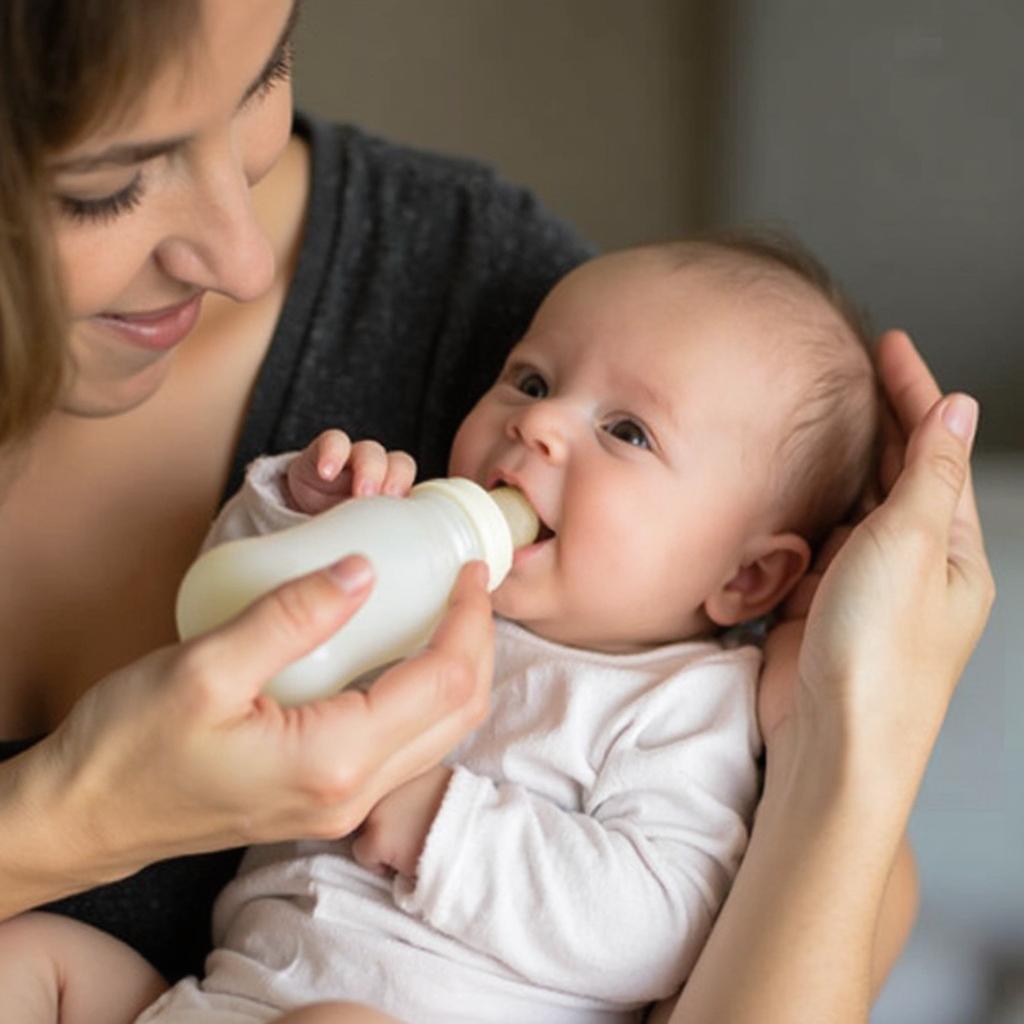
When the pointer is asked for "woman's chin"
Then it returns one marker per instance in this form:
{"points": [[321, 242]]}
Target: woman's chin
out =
{"points": [[95, 399]]}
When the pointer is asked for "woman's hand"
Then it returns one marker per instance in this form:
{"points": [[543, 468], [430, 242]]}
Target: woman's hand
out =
{"points": [[851, 701], [179, 753], [897, 604]]}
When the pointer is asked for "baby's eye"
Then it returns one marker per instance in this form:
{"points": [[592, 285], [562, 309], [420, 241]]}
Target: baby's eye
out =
{"points": [[630, 432], [532, 384]]}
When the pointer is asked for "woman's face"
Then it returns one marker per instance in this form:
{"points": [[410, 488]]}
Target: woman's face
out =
{"points": [[153, 212]]}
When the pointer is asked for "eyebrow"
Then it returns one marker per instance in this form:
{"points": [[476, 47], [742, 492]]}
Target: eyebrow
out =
{"points": [[138, 152], [659, 399]]}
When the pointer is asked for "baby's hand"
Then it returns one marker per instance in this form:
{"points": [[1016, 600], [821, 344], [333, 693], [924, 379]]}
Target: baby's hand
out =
{"points": [[331, 468], [395, 831]]}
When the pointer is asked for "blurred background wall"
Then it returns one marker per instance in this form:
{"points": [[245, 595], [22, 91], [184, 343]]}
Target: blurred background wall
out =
{"points": [[890, 137]]}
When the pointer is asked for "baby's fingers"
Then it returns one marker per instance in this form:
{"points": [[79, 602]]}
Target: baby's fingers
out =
{"points": [[316, 478], [328, 454], [375, 470], [401, 473], [369, 466]]}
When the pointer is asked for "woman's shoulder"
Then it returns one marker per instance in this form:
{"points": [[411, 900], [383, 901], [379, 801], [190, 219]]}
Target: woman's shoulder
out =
{"points": [[340, 143], [428, 194]]}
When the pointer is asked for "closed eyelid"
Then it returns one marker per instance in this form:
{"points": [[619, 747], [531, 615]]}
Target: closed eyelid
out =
{"points": [[277, 66]]}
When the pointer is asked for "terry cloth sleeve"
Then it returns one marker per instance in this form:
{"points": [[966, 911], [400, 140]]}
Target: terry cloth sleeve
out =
{"points": [[617, 901], [258, 507]]}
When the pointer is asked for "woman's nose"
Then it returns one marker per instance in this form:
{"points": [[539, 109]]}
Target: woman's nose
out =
{"points": [[217, 243], [542, 427]]}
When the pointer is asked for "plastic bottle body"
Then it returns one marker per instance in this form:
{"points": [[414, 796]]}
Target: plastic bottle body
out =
{"points": [[417, 545]]}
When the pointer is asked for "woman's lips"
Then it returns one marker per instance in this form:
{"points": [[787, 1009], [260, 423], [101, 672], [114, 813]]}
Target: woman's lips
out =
{"points": [[160, 330]]}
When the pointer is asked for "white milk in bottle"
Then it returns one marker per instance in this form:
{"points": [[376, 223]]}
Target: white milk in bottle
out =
{"points": [[416, 545]]}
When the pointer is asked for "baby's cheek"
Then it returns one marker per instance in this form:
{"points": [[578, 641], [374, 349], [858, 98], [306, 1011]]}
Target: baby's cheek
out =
{"points": [[476, 440]]}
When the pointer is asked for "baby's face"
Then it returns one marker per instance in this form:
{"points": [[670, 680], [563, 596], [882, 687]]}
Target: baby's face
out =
{"points": [[637, 415]]}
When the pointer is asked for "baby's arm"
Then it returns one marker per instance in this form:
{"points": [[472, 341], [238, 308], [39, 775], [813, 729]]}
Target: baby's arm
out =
{"points": [[55, 970], [613, 903], [283, 490], [395, 831]]}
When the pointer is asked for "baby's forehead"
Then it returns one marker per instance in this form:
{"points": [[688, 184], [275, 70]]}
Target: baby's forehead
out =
{"points": [[706, 311], [700, 310]]}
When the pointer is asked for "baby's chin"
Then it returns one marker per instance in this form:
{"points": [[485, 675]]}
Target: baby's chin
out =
{"points": [[570, 633]]}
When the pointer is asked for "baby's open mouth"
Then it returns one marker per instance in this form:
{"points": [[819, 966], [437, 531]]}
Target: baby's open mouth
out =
{"points": [[544, 533]]}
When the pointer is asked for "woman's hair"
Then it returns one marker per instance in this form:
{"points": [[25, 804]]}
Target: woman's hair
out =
{"points": [[66, 66]]}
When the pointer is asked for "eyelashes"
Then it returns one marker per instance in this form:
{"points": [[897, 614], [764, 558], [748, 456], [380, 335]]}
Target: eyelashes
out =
{"points": [[625, 429], [108, 208], [279, 71]]}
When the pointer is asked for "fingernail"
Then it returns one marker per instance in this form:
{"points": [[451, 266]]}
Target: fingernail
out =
{"points": [[351, 574], [481, 572], [328, 470], [960, 414]]}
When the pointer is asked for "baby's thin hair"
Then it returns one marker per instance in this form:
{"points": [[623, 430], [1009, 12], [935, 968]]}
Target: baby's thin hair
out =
{"points": [[828, 451]]}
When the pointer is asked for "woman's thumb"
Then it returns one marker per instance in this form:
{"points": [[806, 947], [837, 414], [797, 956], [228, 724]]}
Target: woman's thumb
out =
{"points": [[286, 624], [936, 469]]}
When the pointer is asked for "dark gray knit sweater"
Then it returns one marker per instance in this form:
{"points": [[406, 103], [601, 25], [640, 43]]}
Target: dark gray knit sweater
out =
{"points": [[417, 272]]}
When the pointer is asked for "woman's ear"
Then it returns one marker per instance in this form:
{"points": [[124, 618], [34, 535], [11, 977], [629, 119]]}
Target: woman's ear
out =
{"points": [[769, 572]]}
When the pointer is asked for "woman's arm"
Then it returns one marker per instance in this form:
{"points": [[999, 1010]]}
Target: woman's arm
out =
{"points": [[817, 901], [895, 920], [896, 916], [179, 753]]}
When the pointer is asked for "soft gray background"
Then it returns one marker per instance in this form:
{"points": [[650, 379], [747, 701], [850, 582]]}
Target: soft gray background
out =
{"points": [[889, 134]]}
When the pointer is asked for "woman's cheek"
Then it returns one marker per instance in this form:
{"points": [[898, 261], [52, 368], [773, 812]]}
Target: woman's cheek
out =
{"points": [[266, 131], [90, 285]]}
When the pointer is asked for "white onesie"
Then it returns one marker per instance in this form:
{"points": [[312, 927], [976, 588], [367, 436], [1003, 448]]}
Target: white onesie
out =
{"points": [[584, 845]]}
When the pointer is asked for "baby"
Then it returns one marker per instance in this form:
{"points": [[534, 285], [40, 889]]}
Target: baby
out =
{"points": [[687, 420]]}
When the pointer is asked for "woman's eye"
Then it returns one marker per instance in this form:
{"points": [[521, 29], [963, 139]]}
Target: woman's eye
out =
{"points": [[279, 71], [532, 385], [106, 208], [630, 432]]}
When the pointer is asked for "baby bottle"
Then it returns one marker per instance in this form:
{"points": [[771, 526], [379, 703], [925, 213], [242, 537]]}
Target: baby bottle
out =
{"points": [[416, 545]]}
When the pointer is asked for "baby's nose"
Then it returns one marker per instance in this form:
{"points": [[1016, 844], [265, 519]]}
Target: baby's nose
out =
{"points": [[541, 427]]}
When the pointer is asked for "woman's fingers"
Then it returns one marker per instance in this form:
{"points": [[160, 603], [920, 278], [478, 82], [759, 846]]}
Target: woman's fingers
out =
{"points": [[912, 393], [909, 385], [458, 661], [933, 493], [280, 628], [417, 711], [893, 448], [936, 467]]}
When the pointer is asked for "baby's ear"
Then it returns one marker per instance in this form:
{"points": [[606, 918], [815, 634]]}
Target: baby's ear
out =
{"points": [[770, 570]]}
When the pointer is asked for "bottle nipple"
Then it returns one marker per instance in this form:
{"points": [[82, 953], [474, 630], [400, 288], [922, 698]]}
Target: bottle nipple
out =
{"points": [[523, 523]]}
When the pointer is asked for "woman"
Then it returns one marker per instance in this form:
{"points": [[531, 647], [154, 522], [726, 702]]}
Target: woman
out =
{"points": [[232, 288]]}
